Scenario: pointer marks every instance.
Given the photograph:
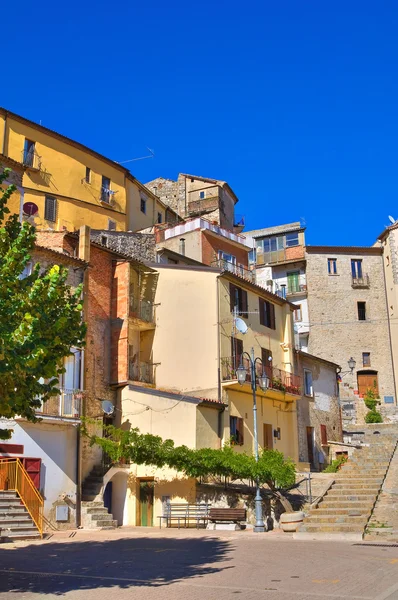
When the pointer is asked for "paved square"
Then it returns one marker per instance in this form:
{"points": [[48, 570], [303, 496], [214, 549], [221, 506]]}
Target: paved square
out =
{"points": [[179, 564]]}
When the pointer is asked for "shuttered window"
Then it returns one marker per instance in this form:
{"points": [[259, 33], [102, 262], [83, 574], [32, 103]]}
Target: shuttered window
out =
{"points": [[238, 298], [324, 436], [236, 428], [267, 313], [50, 209]]}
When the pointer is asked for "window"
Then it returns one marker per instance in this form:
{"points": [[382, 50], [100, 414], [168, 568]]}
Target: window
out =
{"points": [[332, 266], [201, 195], [308, 391], [143, 205], [297, 313], [236, 427], [229, 258], [266, 357], [104, 240], [50, 209], [361, 311], [111, 225], [356, 268], [366, 359], [87, 178], [267, 313], [106, 189], [324, 436], [238, 299], [236, 352], [28, 153], [292, 239], [159, 217]]}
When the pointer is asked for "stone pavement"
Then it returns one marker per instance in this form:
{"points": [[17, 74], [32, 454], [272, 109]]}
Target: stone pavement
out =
{"points": [[132, 563]]}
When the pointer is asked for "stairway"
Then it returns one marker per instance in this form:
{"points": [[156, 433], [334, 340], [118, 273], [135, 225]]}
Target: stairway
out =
{"points": [[345, 509], [15, 521], [94, 514]]}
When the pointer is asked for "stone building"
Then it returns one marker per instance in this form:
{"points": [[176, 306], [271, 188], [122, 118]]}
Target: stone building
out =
{"points": [[318, 412], [194, 196], [349, 318]]}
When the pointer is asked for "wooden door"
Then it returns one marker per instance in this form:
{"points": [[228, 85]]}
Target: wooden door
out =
{"points": [[368, 380], [268, 441], [310, 444], [33, 467], [146, 503]]}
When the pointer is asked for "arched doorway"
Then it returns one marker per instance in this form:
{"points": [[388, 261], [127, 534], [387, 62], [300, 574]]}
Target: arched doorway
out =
{"points": [[367, 380]]}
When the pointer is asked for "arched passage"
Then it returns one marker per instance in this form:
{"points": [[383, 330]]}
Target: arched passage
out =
{"points": [[115, 493]]}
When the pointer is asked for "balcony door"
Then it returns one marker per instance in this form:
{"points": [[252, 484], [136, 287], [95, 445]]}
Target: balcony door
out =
{"points": [[236, 352], [293, 282]]}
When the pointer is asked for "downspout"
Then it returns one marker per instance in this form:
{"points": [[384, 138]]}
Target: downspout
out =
{"points": [[389, 325], [219, 393], [78, 480], [3, 151]]}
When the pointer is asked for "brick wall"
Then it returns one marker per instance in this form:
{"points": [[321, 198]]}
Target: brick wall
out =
{"points": [[57, 240], [294, 252], [119, 331], [211, 245]]}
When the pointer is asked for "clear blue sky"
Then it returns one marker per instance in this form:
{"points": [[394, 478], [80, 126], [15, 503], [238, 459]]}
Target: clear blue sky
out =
{"points": [[294, 103]]}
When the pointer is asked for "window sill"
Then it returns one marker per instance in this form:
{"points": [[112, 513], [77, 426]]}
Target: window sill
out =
{"points": [[334, 274]]}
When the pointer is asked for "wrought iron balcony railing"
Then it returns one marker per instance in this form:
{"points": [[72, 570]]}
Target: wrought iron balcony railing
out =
{"points": [[68, 403], [143, 310], [239, 270], [142, 372], [277, 378], [31, 159]]}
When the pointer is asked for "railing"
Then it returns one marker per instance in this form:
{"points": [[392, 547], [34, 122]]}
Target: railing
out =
{"points": [[239, 270], [360, 282], [203, 205], [141, 309], [14, 477], [279, 256], [296, 288], [142, 372], [68, 403], [31, 159], [277, 378]]}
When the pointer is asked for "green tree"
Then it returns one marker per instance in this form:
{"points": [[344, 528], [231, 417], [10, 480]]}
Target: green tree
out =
{"points": [[40, 320], [272, 468]]}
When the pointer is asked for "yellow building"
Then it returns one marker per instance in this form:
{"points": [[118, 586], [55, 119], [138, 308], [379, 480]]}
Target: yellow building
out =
{"points": [[193, 397], [66, 185]]}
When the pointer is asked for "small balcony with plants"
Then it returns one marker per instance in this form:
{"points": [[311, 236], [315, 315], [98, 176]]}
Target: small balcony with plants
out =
{"points": [[277, 379]]}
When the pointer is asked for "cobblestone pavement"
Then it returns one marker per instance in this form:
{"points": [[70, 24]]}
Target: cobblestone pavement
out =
{"points": [[199, 565]]}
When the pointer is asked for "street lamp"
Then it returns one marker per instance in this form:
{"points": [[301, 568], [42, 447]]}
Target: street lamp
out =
{"points": [[351, 363], [263, 382]]}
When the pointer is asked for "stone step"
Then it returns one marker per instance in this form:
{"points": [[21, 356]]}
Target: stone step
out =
{"points": [[16, 520], [97, 510], [350, 486], [101, 516], [336, 519], [112, 524], [92, 503], [348, 504], [354, 512], [360, 495], [332, 528]]}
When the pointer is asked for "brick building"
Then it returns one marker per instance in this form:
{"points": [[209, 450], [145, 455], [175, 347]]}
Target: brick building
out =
{"points": [[349, 318]]}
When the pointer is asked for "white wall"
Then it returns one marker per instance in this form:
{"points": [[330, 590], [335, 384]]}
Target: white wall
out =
{"points": [[55, 445]]}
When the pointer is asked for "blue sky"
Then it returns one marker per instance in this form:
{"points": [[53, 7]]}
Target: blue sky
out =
{"points": [[293, 103]]}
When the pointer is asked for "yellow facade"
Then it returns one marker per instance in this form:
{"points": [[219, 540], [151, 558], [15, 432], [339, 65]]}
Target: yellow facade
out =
{"points": [[88, 188]]}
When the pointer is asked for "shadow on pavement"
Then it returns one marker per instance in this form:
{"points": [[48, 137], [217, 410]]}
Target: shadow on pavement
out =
{"points": [[57, 568]]}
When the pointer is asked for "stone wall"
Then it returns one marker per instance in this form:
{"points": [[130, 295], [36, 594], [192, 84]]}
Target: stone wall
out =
{"points": [[137, 245], [336, 333]]}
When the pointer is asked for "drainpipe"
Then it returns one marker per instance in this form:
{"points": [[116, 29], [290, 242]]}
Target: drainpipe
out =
{"points": [[78, 480], [182, 246], [389, 325], [219, 394]]}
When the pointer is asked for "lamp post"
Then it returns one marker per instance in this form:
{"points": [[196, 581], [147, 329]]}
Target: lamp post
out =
{"points": [[263, 383], [351, 365]]}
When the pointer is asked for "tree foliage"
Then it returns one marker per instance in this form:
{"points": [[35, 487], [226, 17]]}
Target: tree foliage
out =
{"points": [[272, 467], [40, 320]]}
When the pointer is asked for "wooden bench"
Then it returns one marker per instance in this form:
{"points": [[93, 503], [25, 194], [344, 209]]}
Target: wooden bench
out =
{"points": [[227, 515], [185, 513]]}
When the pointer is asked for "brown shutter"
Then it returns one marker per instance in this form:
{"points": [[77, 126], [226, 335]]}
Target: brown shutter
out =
{"points": [[324, 435], [244, 306], [239, 431], [261, 310], [232, 296], [272, 316]]}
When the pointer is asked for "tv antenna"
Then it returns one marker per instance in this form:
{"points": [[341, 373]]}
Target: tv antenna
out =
{"points": [[391, 219], [107, 407], [150, 155]]}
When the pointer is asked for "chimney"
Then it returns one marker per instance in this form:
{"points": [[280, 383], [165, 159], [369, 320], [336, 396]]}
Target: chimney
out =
{"points": [[182, 246], [84, 243]]}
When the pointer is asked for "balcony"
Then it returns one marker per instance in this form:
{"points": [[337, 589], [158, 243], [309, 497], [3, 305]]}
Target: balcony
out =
{"points": [[31, 160], [360, 282], [142, 372], [68, 404], [142, 313], [296, 289], [204, 205], [239, 270], [278, 379], [292, 254], [106, 196]]}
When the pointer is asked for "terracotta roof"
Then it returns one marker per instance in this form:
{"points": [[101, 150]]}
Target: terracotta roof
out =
{"points": [[262, 290], [60, 253], [13, 162], [212, 401]]}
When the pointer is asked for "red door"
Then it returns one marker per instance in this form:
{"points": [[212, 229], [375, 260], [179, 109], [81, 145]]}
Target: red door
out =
{"points": [[33, 466]]}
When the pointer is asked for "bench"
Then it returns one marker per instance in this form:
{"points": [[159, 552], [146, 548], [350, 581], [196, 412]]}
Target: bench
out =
{"points": [[227, 515], [185, 513]]}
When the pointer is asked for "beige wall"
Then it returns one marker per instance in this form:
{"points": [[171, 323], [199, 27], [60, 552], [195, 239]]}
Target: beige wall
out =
{"points": [[207, 427], [136, 219], [390, 263], [193, 244], [185, 342]]}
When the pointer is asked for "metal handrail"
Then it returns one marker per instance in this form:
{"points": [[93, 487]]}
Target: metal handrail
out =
{"points": [[277, 378], [14, 477], [30, 158]]}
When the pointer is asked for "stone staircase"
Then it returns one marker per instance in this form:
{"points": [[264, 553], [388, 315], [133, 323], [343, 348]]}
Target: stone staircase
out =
{"points": [[94, 514], [15, 521], [345, 509]]}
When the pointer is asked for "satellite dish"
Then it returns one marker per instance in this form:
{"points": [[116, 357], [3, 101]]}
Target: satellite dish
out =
{"points": [[391, 219], [107, 407], [240, 325]]}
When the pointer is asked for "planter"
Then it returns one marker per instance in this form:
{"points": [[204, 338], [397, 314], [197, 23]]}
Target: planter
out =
{"points": [[291, 521]]}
